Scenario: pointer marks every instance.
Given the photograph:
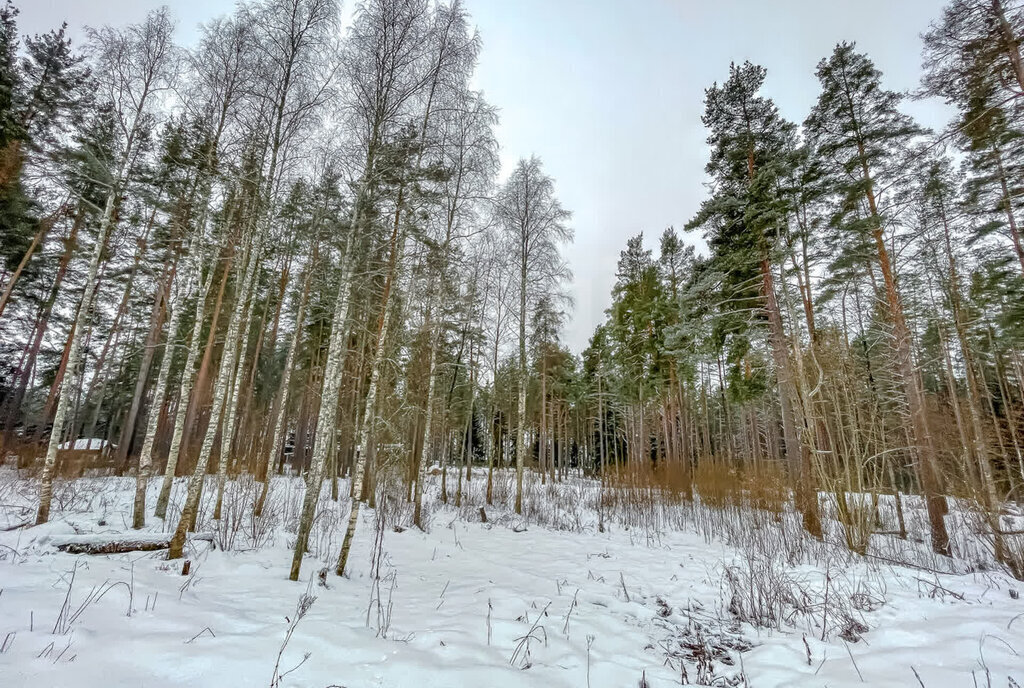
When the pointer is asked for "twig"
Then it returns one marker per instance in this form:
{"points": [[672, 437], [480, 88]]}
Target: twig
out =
{"points": [[590, 642], [200, 633], [572, 605], [936, 588], [847, 645], [910, 565], [306, 601], [524, 641]]}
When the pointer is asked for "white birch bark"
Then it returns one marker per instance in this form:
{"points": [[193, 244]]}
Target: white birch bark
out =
{"points": [[153, 69], [220, 392], [74, 354], [188, 376], [160, 393], [521, 421], [424, 465], [231, 409], [366, 433], [326, 418]]}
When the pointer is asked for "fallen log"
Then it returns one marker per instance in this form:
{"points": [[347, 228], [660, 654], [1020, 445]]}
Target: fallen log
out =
{"points": [[119, 543]]}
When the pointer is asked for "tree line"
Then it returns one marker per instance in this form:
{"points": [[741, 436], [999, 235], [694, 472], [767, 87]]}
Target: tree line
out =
{"points": [[856, 322], [286, 247]]}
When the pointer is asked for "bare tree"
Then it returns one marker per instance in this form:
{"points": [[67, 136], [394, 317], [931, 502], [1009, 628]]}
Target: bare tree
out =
{"points": [[382, 63], [469, 152], [293, 39], [536, 222], [132, 67], [218, 74]]}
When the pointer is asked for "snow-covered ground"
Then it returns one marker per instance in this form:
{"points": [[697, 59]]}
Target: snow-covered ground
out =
{"points": [[561, 598]]}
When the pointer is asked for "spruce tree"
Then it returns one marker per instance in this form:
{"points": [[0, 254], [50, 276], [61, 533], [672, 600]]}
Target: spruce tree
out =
{"points": [[16, 225]]}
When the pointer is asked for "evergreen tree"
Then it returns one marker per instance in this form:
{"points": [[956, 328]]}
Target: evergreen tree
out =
{"points": [[972, 60], [752, 151], [975, 40], [857, 125], [16, 209]]}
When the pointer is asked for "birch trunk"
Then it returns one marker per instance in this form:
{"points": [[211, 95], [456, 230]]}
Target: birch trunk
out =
{"points": [[328, 413], [153, 61], [467, 455], [220, 391], [160, 393], [366, 433], [184, 391], [521, 420], [238, 363], [74, 353], [423, 467]]}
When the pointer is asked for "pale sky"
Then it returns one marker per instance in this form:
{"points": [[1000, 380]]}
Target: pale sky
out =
{"points": [[609, 94]]}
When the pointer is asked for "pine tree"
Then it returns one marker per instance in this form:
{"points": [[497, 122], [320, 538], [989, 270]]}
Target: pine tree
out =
{"points": [[752, 151], [972, 60], [54, 83], [16, 209], [974, 38], [635, 323], [856, 123]]}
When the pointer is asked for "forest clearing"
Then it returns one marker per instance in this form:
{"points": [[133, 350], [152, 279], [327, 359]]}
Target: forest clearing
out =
{"points": [[572, 593], [306, 378]]}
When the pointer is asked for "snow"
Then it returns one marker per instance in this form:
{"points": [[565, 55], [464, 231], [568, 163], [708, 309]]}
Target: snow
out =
{"points": [[560, 603], [83, 443]]}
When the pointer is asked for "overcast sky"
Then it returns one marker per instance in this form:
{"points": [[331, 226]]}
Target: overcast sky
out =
{"points": [[609, 94]]}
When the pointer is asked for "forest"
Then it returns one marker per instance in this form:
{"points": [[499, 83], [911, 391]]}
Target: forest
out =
{"points": [[276, 280]]}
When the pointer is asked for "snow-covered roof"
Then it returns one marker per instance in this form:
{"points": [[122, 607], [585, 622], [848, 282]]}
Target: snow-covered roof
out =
{"points": [[83, 443]]}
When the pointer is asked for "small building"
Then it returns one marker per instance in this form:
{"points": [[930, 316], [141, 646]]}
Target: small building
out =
{"points": [[85, 455]]}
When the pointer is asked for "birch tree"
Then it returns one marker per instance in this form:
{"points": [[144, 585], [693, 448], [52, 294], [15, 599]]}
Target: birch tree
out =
{"points": [[133, 67], [296, 36], [469, 152], [221, 73], [383, 71], [536, 224]]}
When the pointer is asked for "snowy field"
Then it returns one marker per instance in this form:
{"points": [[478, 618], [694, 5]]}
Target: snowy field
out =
{"points": [[664, 595]]}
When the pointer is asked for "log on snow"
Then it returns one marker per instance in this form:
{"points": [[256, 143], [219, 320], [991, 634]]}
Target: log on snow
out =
{"points": [[119, 543]]}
